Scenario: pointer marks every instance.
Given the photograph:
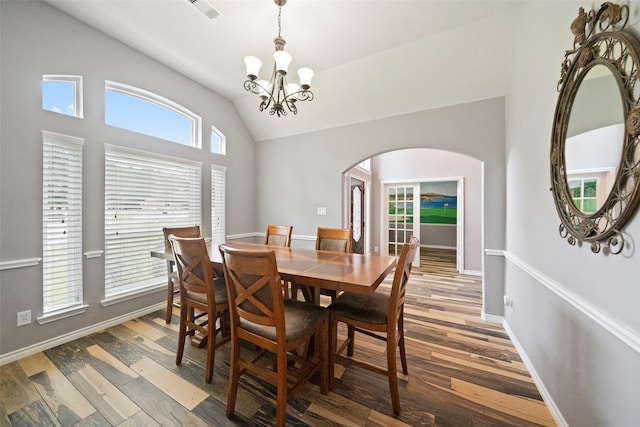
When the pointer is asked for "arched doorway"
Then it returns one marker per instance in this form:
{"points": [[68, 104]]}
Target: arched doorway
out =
{"points": [[422, 168]]}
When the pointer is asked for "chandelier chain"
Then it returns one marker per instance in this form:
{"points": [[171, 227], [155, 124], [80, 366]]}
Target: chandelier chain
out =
{"points": [[279, 20]]}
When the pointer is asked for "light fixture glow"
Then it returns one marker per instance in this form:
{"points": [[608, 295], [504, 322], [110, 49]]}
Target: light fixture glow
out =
{"points": [[276, 94]]}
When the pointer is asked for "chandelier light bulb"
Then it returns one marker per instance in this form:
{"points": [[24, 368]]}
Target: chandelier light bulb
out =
{"points": [[305, 74], [283, 59], [253, 65]]}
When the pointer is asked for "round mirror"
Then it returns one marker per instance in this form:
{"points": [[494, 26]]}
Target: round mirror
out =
{"points": [[595, 137], [595, 144]]}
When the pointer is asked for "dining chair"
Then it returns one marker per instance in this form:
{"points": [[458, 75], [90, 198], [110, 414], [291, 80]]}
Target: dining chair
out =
{"points": [[173, 287], [332, 240], [278, 235], [278, 326], [380, 316], [201, 291]]}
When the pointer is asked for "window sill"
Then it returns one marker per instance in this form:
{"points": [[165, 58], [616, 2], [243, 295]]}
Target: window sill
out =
{"points": [[132, 294], [61, 314]]}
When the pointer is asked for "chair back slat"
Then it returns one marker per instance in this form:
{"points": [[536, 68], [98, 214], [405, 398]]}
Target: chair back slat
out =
{"points": [[278, 235], [195, 271], [190, 231], [334, 239], [401, 278], [253, 284]]}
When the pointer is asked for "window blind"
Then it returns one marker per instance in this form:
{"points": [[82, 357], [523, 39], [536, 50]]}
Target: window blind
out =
{"points": [[61, 221], [218, 227], [144, 192]]}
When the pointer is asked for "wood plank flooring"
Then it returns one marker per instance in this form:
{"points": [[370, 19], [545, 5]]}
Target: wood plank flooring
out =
{"points": [[462, 372]]}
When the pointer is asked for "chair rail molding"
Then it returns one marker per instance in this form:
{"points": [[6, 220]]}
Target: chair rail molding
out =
{"points": [[619, 330], [19, 263]]}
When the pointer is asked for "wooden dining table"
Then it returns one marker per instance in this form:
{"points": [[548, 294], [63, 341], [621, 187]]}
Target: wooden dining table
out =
{"points": [[342, 272]]}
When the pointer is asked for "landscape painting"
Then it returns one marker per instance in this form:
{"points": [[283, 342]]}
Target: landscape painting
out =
{"points": [[438, 202]]}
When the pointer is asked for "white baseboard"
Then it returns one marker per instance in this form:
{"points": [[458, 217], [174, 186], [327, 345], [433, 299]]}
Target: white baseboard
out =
{"points": [[62, 339], [546, 396]]}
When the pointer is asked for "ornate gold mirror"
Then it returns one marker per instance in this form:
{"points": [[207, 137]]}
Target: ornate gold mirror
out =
{"points": [[595, 144]]}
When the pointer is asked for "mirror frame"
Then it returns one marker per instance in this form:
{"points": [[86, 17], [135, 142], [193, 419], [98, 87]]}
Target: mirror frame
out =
{"points": [[599, 39]]}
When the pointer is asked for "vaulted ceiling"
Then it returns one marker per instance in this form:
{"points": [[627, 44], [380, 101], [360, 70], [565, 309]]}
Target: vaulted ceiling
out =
{"points": [[372, 58]]}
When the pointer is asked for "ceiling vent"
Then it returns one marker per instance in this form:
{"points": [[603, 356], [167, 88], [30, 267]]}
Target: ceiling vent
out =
{"points": [[205, 7]]}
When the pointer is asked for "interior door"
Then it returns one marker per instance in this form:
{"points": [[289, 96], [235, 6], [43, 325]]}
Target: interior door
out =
{"points": [[357, 215], [403, 216]]}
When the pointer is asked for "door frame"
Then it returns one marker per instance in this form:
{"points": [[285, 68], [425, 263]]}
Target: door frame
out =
{"points": [[364, 176], [459, 221]]}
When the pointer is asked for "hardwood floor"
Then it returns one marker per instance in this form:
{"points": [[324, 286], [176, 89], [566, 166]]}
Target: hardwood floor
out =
{"points": [[462, 372]]}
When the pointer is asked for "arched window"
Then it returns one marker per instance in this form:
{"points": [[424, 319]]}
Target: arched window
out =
{"points": [[138, 110]]}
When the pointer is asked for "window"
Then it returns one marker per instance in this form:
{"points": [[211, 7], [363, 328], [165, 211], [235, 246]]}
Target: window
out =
{"points": [[218, 142], [62, 94], [144, 112], [143, 193], [583, 193], [218, 232], [365, 164], [61, 223]]}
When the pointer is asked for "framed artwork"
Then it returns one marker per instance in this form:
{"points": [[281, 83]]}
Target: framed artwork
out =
{"points": [[438, 202]]}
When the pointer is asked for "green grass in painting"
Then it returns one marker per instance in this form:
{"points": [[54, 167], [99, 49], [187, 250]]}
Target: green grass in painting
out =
{"points": [[438, 216]]}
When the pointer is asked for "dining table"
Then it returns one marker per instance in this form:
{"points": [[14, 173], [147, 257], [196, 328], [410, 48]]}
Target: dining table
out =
{"points": [[339, 271], [342, 272]]}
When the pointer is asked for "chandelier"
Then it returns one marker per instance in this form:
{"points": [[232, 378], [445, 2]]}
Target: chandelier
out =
{"points": [[276, 94]]}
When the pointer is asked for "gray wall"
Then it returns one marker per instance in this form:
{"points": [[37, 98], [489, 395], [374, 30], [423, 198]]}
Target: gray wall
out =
{"points": [[575, 313], [38, 39], [290, 195], [424, 164]]}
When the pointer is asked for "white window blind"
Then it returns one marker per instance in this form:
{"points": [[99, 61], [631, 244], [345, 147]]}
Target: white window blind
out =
{"points": [[218, 231], [144, 192], [61, 221]]}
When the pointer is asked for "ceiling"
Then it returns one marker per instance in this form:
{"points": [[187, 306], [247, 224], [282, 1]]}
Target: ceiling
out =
{"points": [[372, 58]]}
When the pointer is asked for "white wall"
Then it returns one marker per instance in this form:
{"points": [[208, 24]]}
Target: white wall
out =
{"points": [[37, 39], [575, 313]]}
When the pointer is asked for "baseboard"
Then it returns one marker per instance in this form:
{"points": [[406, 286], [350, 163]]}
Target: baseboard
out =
{"points": [[491, 318], [62, 339], [472, 273], [546, 396]]}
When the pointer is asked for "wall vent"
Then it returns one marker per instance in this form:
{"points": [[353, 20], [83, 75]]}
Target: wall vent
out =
{"points": [[205, 7]]}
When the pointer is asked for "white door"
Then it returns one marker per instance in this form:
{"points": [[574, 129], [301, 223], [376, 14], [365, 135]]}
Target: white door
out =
{"points": [[402, 217]]}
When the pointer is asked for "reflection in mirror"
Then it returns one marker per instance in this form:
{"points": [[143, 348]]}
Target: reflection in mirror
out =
{"points": [[595, 136]]}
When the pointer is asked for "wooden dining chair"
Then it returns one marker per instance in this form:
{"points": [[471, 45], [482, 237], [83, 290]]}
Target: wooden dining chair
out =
{"points": [[173, 287], [278, 235], [380, 316], [200, 292], [260, 314], [332, 240]]}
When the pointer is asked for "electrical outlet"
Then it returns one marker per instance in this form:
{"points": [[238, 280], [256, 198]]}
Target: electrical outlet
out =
{"points": [[24, 317], [508, 302]]}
